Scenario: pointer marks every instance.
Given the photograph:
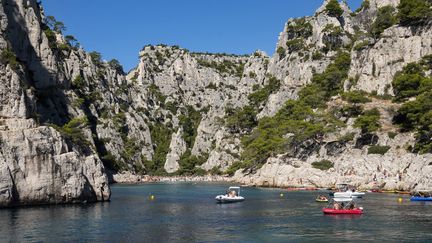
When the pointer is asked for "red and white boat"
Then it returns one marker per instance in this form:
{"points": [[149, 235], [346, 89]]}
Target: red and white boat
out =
{"points": [[342, 206]]}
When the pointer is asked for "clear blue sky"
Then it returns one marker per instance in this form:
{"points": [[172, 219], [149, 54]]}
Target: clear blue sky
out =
{"points": [[119, 29]]}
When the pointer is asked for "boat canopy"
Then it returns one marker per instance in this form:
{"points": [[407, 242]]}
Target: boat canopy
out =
{"points": [[341, 199], [234, 188]]}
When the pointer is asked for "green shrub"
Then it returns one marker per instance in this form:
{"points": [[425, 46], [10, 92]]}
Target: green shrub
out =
{"points": [[73, 130], [78, 102], [71, 41], [156, 93], [112, 163], [131, 148], [299, 28], [64, 47], [190, 122], [362, 45], [356, 97], [414, 12], [385, 18], [161, 138], [328, 83], [172, 106], [189, 164], [216, 171], [376, 149], [323, 165], [52, 40], [364, 6], [281, 52], [120, 125], [233, 168], [410, 82], [347, 137], [115, 64], [261, 96], [78, 83], [412, 114], [351, 110], [241, 119], [268, 138], [295, 45], [334, 9], [7, 56], [392, 135], [416, 115], [368, 121], [317, 56], [96, 58], [331, 28], [52, 23], [225, 66]]}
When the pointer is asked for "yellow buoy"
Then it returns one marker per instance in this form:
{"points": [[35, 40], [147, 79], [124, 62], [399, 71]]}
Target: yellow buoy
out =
{"points": [[281, 195], [400, 199], [152, 197]]}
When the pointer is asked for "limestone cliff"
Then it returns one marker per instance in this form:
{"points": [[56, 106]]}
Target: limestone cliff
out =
{"points": [[321, 110], [39, 164]]}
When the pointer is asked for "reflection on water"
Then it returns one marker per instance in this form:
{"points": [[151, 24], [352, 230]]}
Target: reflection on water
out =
{"points": [[188, 212]]}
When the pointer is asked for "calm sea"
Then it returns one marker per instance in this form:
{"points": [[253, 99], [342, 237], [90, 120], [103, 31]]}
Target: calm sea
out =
{"points": [[187, 212]]}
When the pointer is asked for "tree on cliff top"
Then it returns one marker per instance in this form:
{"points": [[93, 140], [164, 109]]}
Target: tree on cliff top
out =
{"points": [[414, 12], [334, 9]]}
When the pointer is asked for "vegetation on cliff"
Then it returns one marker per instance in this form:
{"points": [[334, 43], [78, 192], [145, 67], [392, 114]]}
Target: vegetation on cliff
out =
{"points": [[416, 114]]}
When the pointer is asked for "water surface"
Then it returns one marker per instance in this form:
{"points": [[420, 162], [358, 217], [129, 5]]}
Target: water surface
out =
{"points": [[187, 212]]}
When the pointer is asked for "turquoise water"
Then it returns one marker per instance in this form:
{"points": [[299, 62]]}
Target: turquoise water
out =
{"points": [[187, 212]]}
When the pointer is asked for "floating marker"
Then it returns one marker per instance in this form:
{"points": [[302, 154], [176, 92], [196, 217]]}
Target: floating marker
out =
{"points": [[400, 199], [281, 195], [152, 197]]}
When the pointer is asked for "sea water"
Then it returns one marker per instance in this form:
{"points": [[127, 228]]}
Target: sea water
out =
{"points": [[187, 212]]}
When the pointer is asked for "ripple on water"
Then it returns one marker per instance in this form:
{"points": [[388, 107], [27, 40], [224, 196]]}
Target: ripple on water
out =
{"points": [[188, 212]]}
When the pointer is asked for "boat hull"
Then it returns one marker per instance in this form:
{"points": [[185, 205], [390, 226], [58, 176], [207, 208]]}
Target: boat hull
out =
{"points": [[421, 199], [321, 201], [348, 194], [342, 211], [225, 199]]}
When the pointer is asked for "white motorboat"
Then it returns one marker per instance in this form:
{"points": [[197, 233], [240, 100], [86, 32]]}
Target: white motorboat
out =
{"points": [[349, 194], [347, 191], [232, 196]]}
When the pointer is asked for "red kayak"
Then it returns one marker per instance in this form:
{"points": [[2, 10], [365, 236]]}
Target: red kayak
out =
{"points": [[342, 211]]}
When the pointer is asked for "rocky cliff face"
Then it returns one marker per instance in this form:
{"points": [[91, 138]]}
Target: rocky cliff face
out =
{"points": [[66, 115], [39, 164], [374, 64]]}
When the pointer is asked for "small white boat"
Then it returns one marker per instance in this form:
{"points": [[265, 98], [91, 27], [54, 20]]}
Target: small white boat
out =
{"points": [[232, 196], [349, 194], [347, 191]]}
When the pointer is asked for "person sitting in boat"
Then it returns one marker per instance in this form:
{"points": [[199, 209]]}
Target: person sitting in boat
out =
{"points": [[321, 197], [352, 206], [336, 206], [232, 194]]}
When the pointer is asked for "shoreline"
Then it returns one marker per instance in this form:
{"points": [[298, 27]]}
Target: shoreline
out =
{"points": [[129, 178]]}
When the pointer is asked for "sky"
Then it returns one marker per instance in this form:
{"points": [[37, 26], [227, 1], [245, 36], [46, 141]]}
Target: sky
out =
{"points": [[119, 29]]}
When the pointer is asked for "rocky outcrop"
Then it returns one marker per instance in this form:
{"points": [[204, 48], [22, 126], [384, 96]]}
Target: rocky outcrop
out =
{"points": [[177, 148], [375, 67], [38, 164], [38, 167], [396, 169]]}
